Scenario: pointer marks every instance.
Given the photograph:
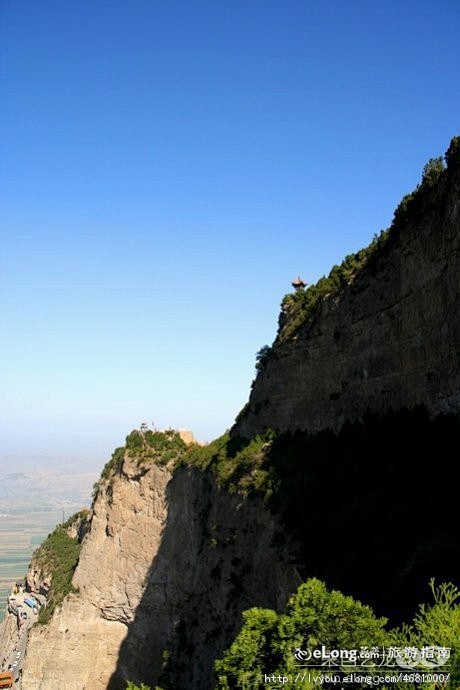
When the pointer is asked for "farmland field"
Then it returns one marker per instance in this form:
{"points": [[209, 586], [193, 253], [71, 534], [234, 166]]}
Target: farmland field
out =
{"points": [[20, 534], [33, 502]]}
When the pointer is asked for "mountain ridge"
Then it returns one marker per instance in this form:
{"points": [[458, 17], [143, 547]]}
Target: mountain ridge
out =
{"points": [[180, 540], [385, 338]]}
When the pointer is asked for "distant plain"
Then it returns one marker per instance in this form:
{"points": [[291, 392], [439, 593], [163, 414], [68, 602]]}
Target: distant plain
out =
{"points": [[19, 537], [32, 503]]}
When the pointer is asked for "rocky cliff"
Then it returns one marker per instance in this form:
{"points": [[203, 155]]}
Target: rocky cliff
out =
{"points": [[172, 557], [169, 563], [389, 339]]}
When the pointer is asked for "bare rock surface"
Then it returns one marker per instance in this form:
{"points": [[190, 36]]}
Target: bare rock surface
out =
{"points": [[169, 562]]}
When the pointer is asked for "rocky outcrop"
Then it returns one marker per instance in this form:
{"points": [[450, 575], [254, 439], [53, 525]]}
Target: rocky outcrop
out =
{"points": [[389, 340], [40, 573], [168, 559], [171, 560], [81, 643], [38, 580]]}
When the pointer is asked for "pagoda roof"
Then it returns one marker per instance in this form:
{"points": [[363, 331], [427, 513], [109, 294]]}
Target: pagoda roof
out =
{"points": [[298, 282]]}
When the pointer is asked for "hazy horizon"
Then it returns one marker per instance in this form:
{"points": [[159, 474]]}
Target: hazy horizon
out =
{"points": [[167, 170]]}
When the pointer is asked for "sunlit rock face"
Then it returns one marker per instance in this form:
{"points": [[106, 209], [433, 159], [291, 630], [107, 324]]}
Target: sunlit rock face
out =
{"points": [[168, 565], [171, 560]]}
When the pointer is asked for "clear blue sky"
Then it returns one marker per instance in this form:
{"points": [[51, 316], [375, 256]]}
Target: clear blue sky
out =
{"points": [[167, 168]]}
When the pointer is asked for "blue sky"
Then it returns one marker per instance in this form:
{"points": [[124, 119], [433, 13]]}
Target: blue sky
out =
{"points": [[167, 168]]}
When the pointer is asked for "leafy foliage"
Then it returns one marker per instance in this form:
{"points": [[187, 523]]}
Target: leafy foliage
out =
{"points": [[81, 516], [235, 462], [263, 356], [114, 464], [58, 556], [438, 624], [245, 662], [316, 616], [164, 447], [134, 440], [300, 306], [159, 447], [432, 171]]}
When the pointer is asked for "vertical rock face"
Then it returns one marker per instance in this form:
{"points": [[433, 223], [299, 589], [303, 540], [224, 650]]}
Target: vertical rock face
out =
{"points": [[82, 640], [171, 560], [167, 566], [390, 340], [9, 637]]}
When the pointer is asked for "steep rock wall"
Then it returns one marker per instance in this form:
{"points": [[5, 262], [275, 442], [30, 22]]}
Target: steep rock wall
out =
{"points": [[82, 640], [390, 340], [168, 565], [9, 637]]}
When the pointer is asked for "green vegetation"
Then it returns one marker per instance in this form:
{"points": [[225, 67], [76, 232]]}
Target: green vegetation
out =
{"points": [[316, 616], [81, 517], [301, 306], [159, 447], [113, 466], [235, 462], [142, 686], [343, 496], [58, 557], [438, 624], [359, 504], [432, 171], [263, 356]]}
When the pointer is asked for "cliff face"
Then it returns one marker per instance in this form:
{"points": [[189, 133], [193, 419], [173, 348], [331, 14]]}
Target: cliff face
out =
{"points": [[9, 637], [169, 560], [391, 339]]}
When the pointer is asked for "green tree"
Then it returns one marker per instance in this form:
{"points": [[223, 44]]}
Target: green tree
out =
{"points": [[246, 661], [432, 170], [315, 616], [263, 356], [59, 556], [437, 625]]}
